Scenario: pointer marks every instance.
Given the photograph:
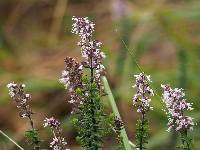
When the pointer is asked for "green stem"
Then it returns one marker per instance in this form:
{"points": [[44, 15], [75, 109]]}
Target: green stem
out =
{"points": [[92, 101], [186, 142], [11, 140], [36, 142], [131, 144], [123, 133], [142, 131]]}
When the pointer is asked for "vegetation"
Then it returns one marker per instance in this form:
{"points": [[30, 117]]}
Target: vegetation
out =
{"points": [[158, 38]]}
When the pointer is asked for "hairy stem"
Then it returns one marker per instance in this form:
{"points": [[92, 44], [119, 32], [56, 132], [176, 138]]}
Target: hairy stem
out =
{"points": [[141, 140], [92, 100], [31, 121], [142, 131], [184, 141], [35, 142]]}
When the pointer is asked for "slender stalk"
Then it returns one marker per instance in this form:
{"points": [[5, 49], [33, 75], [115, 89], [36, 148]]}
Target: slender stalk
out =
{"points": [[15, 143], [131, 144], [141, 144], [141, 139], [36, 142], [92, 100], [123, 133], [186, 141], [142, 71], [31, 122]]}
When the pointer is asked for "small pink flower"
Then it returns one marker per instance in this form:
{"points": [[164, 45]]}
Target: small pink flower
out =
{"points": [[21, 98], [176, 105], [142, 97]]}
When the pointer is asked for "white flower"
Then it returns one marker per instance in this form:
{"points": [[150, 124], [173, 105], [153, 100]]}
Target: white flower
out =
{"points": [[54, 142], [12, 84], [64, 73], [28, 95], [12, 88]]}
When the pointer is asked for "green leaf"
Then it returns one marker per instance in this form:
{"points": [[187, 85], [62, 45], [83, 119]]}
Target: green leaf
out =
{"points": [[32, 136]]}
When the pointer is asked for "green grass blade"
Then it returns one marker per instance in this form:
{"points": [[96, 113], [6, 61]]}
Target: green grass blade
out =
{"points": [[15, 143], [123, 133]]}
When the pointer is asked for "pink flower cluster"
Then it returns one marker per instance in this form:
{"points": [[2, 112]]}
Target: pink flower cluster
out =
{"points": [[52, 123], [72, 79], [176, 105], [143, 96], [82, 27], [58, 142], [91, 52], [71, 76], [21, 98]]}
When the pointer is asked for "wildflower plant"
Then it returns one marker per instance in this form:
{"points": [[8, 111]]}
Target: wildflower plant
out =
{"points": [[85, 89], [176, 106], [58, 142], [82, 80], [141, 100], [22, 100]]}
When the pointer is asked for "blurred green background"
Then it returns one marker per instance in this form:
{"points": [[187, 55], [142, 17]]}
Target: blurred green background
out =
{"points": [[35, 37]]}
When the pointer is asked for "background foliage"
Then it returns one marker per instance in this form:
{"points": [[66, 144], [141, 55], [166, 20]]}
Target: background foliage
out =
{"points": [[35, 38]]}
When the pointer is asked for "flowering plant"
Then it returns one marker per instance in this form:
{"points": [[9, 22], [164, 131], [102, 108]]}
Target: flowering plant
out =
{"points": [[22, 99], [142, 100], [176, 105], [58, 142], [83, 82], [86, 91]]}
